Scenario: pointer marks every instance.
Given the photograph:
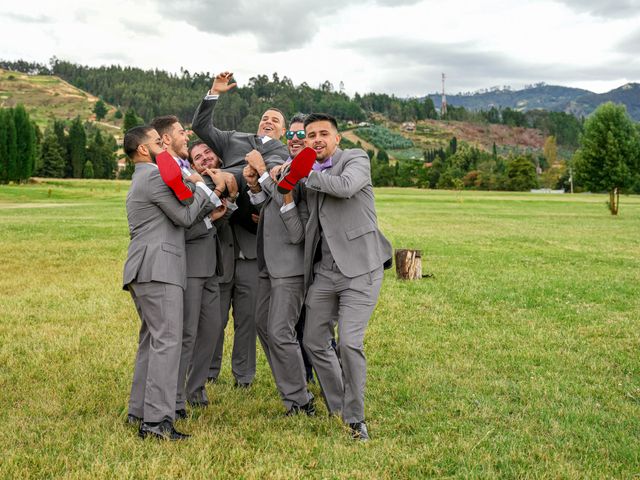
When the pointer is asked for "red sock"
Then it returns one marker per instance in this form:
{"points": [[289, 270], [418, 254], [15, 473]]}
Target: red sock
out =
{"points": [[172, 176], [300, 168]]}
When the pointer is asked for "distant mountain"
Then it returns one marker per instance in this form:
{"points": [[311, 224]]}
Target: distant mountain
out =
{"points": [[547, 97], [628, 94]]}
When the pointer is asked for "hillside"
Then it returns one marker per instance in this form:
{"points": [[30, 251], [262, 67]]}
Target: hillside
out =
{"points": [[547, 97], [434, 134], [48, 97]]}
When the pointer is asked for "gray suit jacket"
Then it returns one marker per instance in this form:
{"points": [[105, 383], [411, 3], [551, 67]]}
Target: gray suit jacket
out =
{"points": [[232, 146], [342, 198], [227, 250], [156, 226], [203, 251], [280, 242]]}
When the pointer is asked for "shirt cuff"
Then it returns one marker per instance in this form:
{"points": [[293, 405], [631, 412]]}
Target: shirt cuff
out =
{"points": [[210, 96], [256, 198], [212, 196], [263, 177], [288, 206], [231, 206]]}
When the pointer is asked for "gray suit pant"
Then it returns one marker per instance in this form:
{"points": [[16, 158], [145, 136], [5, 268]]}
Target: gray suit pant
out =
{"points": [[277, 313], [241, 293], [155, 376], [348, 302], [202, 322]]}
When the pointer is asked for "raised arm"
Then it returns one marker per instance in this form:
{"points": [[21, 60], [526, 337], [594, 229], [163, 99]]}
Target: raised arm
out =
{"points": [[202, 123]]}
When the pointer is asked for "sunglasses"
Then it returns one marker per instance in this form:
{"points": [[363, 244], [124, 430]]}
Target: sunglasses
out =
{"points": [[298, 133]]}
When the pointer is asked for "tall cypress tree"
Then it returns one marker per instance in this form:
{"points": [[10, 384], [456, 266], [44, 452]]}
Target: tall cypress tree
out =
{"points": [[12, 147], [26, 143], [77, 147], [4, 147], [63, 142], [95, 154], [53, 157]]}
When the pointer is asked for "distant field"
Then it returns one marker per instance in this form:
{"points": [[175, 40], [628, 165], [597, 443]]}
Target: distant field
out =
{"points": [[517, 359]]}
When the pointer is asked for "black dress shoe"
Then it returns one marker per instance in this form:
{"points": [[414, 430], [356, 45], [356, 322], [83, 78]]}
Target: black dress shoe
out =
{"points": [[238, 384], [199, 404], [181, 414], [309, 408], [359, 431], [212, 379], [163, 431], [133, 420]]}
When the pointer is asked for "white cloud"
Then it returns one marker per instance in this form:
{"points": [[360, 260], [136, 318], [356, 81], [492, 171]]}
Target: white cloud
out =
{"points": [[397, 47]]}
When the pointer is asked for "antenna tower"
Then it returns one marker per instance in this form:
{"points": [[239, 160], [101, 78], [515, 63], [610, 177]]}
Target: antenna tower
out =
{"points": [[443, 107]]}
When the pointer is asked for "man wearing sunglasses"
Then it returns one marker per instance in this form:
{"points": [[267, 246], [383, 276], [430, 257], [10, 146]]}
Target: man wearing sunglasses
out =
{"points": [[281, 276], [234, 148], [344, 257]]}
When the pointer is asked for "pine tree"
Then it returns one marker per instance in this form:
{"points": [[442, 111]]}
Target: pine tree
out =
{"points": [[131, 120], [100, 109], [63, 142], [37, 164], [12, 147], [4, 146], [53, 157], [26, 143], [77, 147], [95, 153], [87, 171]]}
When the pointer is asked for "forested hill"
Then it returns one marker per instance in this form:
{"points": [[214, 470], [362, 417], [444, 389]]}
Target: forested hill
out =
{"points": [[149, 93], [546, 97], [154, 92]]}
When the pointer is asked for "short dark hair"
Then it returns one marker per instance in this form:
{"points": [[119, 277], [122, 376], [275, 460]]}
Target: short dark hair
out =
{"points": [[192, 145], [135, 137], [284, 117], [320, 117], [164, 123], [297, 118]]}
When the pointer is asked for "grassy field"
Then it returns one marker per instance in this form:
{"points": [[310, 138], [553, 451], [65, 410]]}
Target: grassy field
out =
{"points": [[518, 358]]}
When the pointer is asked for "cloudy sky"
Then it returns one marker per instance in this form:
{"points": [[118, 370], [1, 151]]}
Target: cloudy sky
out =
{"points": [[398, 47]]}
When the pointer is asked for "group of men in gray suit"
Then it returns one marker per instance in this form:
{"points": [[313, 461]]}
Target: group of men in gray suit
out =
{"points": [[317, 247]]}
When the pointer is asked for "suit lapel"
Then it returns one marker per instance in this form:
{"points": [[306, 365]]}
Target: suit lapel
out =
{"points": [[335, 167]]}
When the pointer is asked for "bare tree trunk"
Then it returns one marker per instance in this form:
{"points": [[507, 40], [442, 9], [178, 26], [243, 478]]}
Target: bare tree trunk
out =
{"points": [[408, 264], [614, 201]]}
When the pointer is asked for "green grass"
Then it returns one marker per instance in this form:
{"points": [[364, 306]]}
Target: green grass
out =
{"points": [[519, 358]]}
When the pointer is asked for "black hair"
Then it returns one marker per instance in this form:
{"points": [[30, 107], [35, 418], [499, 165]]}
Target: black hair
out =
{"points": [[319, 117], [135, 137]]}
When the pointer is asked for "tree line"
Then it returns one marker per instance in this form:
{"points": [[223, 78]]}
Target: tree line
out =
{"points": [[65, 150], [150, 93]]}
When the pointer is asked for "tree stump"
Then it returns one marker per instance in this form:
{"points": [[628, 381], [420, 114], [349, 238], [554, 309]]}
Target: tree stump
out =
{"points": [[408, 264]]}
